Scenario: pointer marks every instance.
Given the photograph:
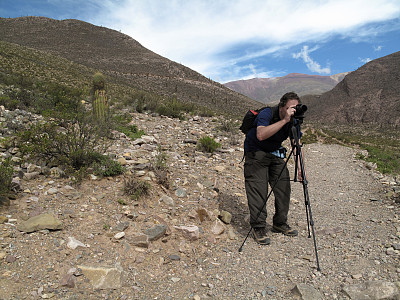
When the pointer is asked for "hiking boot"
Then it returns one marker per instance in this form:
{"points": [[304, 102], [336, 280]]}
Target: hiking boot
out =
{"points": [[260, 236], [285, 229]]}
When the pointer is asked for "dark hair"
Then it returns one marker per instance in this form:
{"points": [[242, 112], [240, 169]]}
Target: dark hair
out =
{"points": [[289, 96]]}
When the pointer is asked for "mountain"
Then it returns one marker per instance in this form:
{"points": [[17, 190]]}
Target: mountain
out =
{"points": [[369, 95], [121, 58], [268, 90]]}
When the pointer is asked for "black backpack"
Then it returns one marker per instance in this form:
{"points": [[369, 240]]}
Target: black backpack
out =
{"points": [[250, 117]]}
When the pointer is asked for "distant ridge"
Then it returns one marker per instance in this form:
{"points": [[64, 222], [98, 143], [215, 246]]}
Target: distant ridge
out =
{"points": [[123, 58], [269, 90], [369, 95]]}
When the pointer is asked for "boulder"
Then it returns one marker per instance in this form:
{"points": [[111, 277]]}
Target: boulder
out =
{"points": [[40, 222]]}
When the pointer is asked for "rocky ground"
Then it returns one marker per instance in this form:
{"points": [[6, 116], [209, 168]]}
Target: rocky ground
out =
{"points": [[94, 242]]}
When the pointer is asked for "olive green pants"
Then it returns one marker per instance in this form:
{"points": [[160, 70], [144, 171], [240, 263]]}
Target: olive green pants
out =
{"points": [[261, 168]]}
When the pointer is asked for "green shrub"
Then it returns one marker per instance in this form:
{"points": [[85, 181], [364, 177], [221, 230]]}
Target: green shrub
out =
{"points": [[20, 95], [387, 162], [175, 109], [228, 126], [131, 131], [160, 161], [9, 103], [76, 144], [207, 144], [136, 188], [106, 167], [205, 112], [160, 169], [121, 118], [309, 137], [58, 99], [6, 173], [122, 201], [98, 82], [121, 123]]}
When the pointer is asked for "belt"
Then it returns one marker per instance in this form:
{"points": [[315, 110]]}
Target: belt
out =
{"points": [[281, 152]]}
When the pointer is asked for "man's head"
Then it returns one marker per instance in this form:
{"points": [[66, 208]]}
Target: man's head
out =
{"points": [[289, 96], [287, 104]]}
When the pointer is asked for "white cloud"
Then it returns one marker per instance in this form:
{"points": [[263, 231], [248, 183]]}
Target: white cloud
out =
{"points": [[365, 60], [312, 65], [378, 48], [195, 33], [251, 70]]}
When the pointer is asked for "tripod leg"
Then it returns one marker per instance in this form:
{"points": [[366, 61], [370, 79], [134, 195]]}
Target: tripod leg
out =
{"points": [[306, 205], [310, 222]]}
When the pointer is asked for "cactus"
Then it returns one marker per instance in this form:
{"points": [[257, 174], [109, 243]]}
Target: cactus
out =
{"points": [[100, 104], [99, 82]]}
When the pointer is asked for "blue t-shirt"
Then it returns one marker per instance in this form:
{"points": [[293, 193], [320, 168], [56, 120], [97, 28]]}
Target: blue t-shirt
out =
{"points": [[267, 117]]}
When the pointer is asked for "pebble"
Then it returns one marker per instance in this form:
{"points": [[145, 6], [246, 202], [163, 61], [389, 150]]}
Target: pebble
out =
{"points": [[119, 235]]}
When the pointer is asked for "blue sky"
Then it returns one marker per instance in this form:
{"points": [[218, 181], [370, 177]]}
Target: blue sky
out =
{"points": [[228, 40]]}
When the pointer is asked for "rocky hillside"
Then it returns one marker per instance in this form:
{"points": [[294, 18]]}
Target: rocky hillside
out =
{"points": [[92, 241], [270, 90], [369, 95], [121, 58]]}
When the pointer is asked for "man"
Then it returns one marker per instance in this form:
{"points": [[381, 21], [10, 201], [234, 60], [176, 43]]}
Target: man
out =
{"points": [[264, 162]]}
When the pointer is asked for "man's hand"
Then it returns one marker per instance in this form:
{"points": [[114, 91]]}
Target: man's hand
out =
{"points": [[299, 175], [289, 113]]}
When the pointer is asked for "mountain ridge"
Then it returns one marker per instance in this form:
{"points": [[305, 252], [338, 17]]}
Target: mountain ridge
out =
{"points": [[269, 90], [121, 57], [368, 95]]}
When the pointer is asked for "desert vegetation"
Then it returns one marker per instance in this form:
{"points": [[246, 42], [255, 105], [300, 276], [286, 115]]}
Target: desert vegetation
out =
{"points": [[37, 81], [79, 108]]}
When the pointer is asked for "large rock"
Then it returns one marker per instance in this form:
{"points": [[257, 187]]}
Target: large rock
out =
{"points": [[306, 292], [372, 290], [31, 176], [225, 217], [190, 232], [218, 227], [156, 232], [103, 277], [40, 222], [140, 240]]}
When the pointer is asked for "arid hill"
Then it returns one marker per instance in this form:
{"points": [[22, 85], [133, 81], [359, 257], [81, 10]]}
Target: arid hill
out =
{"points": [[369, 95], [120, 56], [269, 90]]}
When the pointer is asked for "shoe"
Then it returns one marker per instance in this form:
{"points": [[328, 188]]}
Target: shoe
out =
{"points": [[260, 236], [285, 229]]}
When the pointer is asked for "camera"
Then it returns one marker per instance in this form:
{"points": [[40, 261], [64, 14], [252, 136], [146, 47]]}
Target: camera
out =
{"points": [[300, 109]]}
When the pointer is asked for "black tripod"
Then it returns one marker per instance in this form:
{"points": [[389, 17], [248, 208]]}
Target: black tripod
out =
{"points": [[296, 149]]}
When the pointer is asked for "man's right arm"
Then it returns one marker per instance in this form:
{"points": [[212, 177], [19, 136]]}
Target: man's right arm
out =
{"points": [[265, 132]]}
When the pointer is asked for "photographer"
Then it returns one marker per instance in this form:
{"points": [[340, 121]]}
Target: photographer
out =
{"points": [[264, 163]]}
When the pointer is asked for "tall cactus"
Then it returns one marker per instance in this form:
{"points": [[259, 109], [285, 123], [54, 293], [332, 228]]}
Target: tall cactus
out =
{"points": [[100, 104]]}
